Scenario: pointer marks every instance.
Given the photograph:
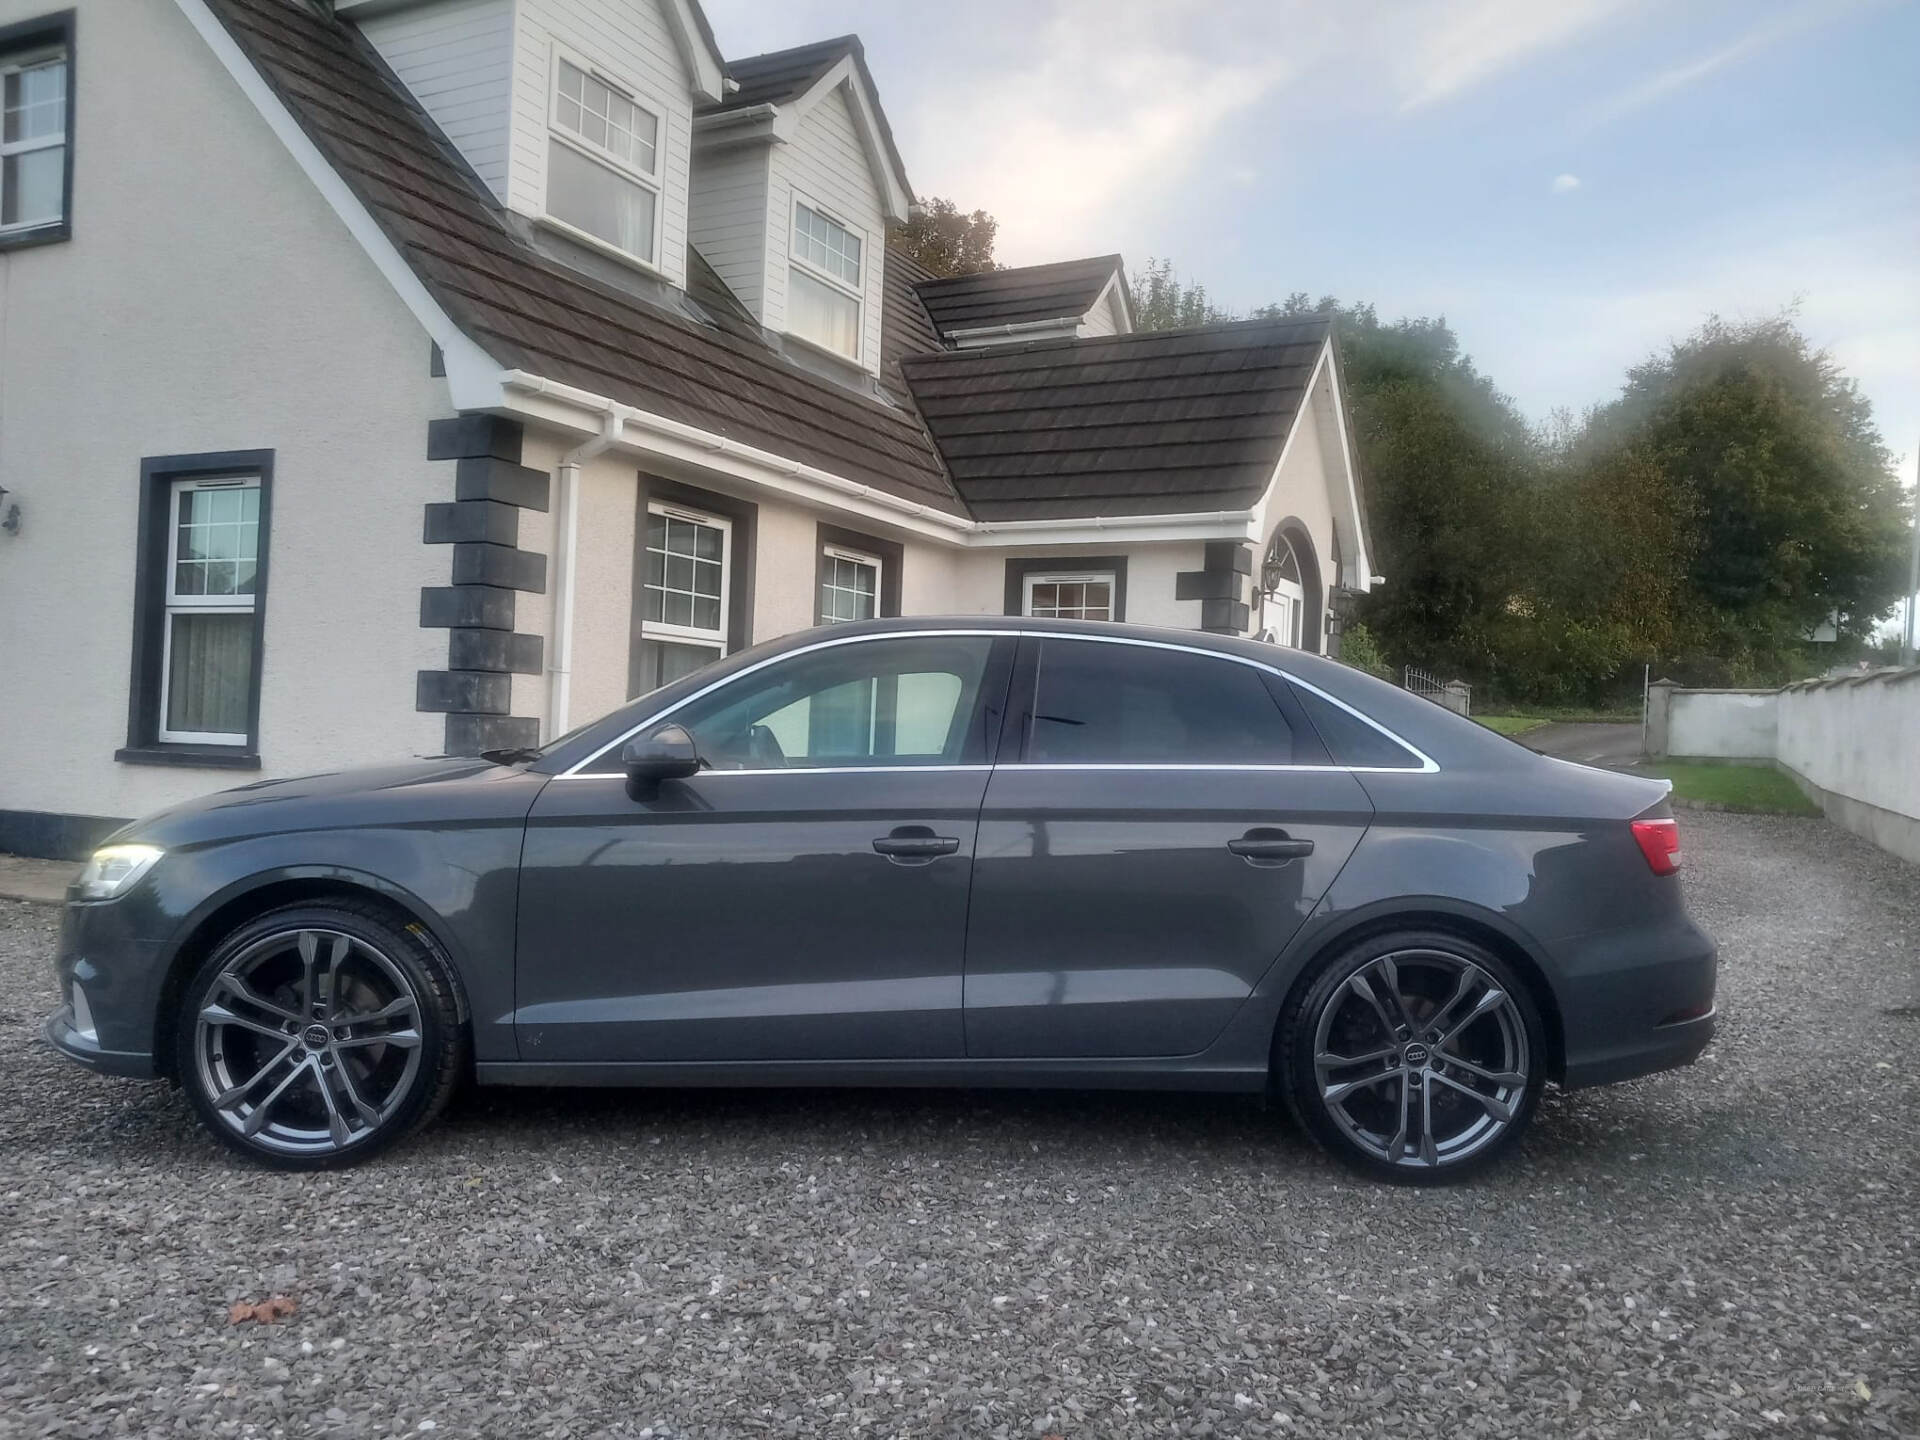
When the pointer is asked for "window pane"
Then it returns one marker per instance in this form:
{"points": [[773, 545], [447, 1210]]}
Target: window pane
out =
{"points": [[32, 185], [1130, 704], [884, 702], [590, 197], [686, 573], [818, 312], [1072, 599], [827, 244], [209, 673], [1350, 740], [664, 661], [571, 78], [36, 102], [847, 589]]}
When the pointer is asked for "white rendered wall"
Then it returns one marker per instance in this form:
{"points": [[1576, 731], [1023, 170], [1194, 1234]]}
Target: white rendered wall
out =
{"points": [[1723, 724], [205, 303]]}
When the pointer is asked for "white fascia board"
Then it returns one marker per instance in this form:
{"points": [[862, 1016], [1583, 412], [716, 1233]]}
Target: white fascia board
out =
{"points": [[1362, 561], [895, 197], [473, 377], [1345, 497], [661, 439], [1107, 530], [706, 70]]}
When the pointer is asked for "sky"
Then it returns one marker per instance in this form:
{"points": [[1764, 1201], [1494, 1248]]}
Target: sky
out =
{"points": [[1571, 183]]}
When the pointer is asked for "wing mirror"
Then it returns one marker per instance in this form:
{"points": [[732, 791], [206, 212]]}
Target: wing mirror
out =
{"points": [[667, 754]]}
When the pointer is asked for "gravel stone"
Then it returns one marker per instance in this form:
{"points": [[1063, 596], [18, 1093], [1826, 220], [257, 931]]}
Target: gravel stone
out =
{"points": [[1729, 1250]]}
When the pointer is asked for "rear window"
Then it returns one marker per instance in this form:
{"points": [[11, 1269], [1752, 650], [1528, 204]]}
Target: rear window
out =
{"points": [[1107, 704], [1351, 740]]}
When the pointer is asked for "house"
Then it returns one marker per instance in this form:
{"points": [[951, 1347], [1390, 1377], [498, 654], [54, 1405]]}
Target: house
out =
{"points": [[385, 377]]}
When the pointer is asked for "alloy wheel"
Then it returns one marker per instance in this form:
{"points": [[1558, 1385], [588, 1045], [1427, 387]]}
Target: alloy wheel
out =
{"points": [[308, 1041], [1421, 1058]]}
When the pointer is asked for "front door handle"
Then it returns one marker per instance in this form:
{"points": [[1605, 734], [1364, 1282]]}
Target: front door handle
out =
{"points": [[907, 844], [1270, 847]]}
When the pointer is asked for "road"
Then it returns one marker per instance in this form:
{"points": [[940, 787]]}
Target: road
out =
{"points": [[1612, 745], [1729, 1250]]}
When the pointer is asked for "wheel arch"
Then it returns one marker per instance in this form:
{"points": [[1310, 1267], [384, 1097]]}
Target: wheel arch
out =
{"points": [[234, 906], [1471, 923]]}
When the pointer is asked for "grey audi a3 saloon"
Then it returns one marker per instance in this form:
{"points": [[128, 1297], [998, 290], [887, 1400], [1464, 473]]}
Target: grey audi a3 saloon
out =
{"points": [[915, 852]]}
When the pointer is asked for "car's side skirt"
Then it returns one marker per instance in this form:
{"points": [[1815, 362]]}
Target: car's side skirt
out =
{"points": [[1191, 1073]]}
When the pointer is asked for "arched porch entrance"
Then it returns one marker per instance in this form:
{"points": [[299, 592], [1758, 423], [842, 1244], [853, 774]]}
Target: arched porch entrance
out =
{"points": [[1292, 599]]}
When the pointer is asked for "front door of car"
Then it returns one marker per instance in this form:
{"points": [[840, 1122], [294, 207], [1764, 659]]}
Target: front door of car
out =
{"points": [[802, 897], [1161, 822]]}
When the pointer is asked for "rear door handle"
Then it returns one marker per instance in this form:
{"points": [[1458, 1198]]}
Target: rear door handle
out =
{"points": [[915, 842], [1270, 847]]}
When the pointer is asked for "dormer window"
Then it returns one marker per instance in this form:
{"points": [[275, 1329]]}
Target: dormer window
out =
{"points": [[603, 163], [824, 281]]}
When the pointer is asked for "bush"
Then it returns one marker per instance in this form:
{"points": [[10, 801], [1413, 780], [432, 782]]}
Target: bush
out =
{"points": [[1359, 649]]}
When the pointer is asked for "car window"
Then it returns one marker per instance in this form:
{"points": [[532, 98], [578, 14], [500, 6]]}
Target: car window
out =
{"points": [[1351, 740], [906, 701], [1108, 704]]}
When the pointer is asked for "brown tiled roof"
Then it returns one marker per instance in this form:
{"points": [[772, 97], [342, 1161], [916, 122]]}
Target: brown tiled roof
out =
{"points": [[1018, 295], [531, 312], [905, 327], [1142, 424], [782, 76]]}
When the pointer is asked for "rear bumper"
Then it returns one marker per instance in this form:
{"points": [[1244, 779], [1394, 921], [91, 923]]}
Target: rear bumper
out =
{"points": [[59, 1032], [1636, 1001]]}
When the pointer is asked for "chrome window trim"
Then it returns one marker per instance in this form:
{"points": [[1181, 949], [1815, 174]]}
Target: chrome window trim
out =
{"points": [[1427, 765]]}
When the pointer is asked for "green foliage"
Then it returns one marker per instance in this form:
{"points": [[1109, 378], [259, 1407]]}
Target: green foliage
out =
{"points": [[1734, 496], [1162, 301], [946, 240], [1359, 649]]}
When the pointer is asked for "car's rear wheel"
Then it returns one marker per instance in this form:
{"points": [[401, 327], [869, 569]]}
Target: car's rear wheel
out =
{"points": [[318, 1035], [1416, 1057]]}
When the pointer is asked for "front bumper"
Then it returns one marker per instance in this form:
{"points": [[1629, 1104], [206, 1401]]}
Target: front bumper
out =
{"points": [[110, 973], [60, 1033]]}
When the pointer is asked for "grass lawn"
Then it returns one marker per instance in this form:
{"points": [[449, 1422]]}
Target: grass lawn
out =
{"points": [[1512, 724], [1568, 715], [1738, 787]]}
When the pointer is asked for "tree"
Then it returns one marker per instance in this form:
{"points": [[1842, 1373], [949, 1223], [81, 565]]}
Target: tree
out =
{"points": [[1777, 484], [1162, 301], [945, 240]]}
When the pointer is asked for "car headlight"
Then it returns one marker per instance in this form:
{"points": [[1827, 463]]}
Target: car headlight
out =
{"points": [[113, 870]]}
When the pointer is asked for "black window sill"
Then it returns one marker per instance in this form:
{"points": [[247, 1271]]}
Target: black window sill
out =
{"points": [[49, 234], [199, 757]]}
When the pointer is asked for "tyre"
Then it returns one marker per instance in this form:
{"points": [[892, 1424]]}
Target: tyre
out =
{"points": [[1416, 1057], [318, 1035]]}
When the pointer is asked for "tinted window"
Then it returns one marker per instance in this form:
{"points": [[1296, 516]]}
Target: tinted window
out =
{"points": [[910, 701], [1100, 703], [1351, 740]]}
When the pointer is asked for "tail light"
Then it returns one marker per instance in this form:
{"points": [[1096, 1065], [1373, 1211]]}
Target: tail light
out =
{"points": [[1659, 841]]}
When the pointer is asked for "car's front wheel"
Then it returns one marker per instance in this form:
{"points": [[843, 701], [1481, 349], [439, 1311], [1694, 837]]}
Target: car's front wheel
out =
{"points": [[318, 1035], [1417, 1057]]}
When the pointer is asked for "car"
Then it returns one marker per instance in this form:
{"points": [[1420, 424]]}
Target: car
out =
{"points": [[979, 852]]}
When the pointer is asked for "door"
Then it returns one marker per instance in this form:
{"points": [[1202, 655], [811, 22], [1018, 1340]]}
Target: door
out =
{"points": [[804, 898], [1162, 821]]}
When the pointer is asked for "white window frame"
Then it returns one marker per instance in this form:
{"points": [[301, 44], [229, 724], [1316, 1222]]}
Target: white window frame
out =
{"points": [[854, 557], [174, 603], [1070, 577], [63, 137], [604, 157], [693, 634], [858, 294]]}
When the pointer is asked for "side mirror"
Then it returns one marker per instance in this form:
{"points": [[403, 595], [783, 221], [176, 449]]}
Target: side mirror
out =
{"points": [[667, 754]]}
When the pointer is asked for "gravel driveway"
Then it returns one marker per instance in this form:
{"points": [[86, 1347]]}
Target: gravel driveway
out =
{"points": [[1729, 1250]]}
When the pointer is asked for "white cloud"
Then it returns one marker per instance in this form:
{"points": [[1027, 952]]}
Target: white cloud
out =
{"points": [[1444, 50], [1675, 78], [1564, 184]]}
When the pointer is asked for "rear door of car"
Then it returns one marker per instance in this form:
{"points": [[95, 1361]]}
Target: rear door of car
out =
{"points": [[1161, 821]]}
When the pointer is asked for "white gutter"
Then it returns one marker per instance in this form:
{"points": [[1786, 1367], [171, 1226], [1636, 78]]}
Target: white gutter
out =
{"points": [[1068, 322], [566, 546], [683, 444]]}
